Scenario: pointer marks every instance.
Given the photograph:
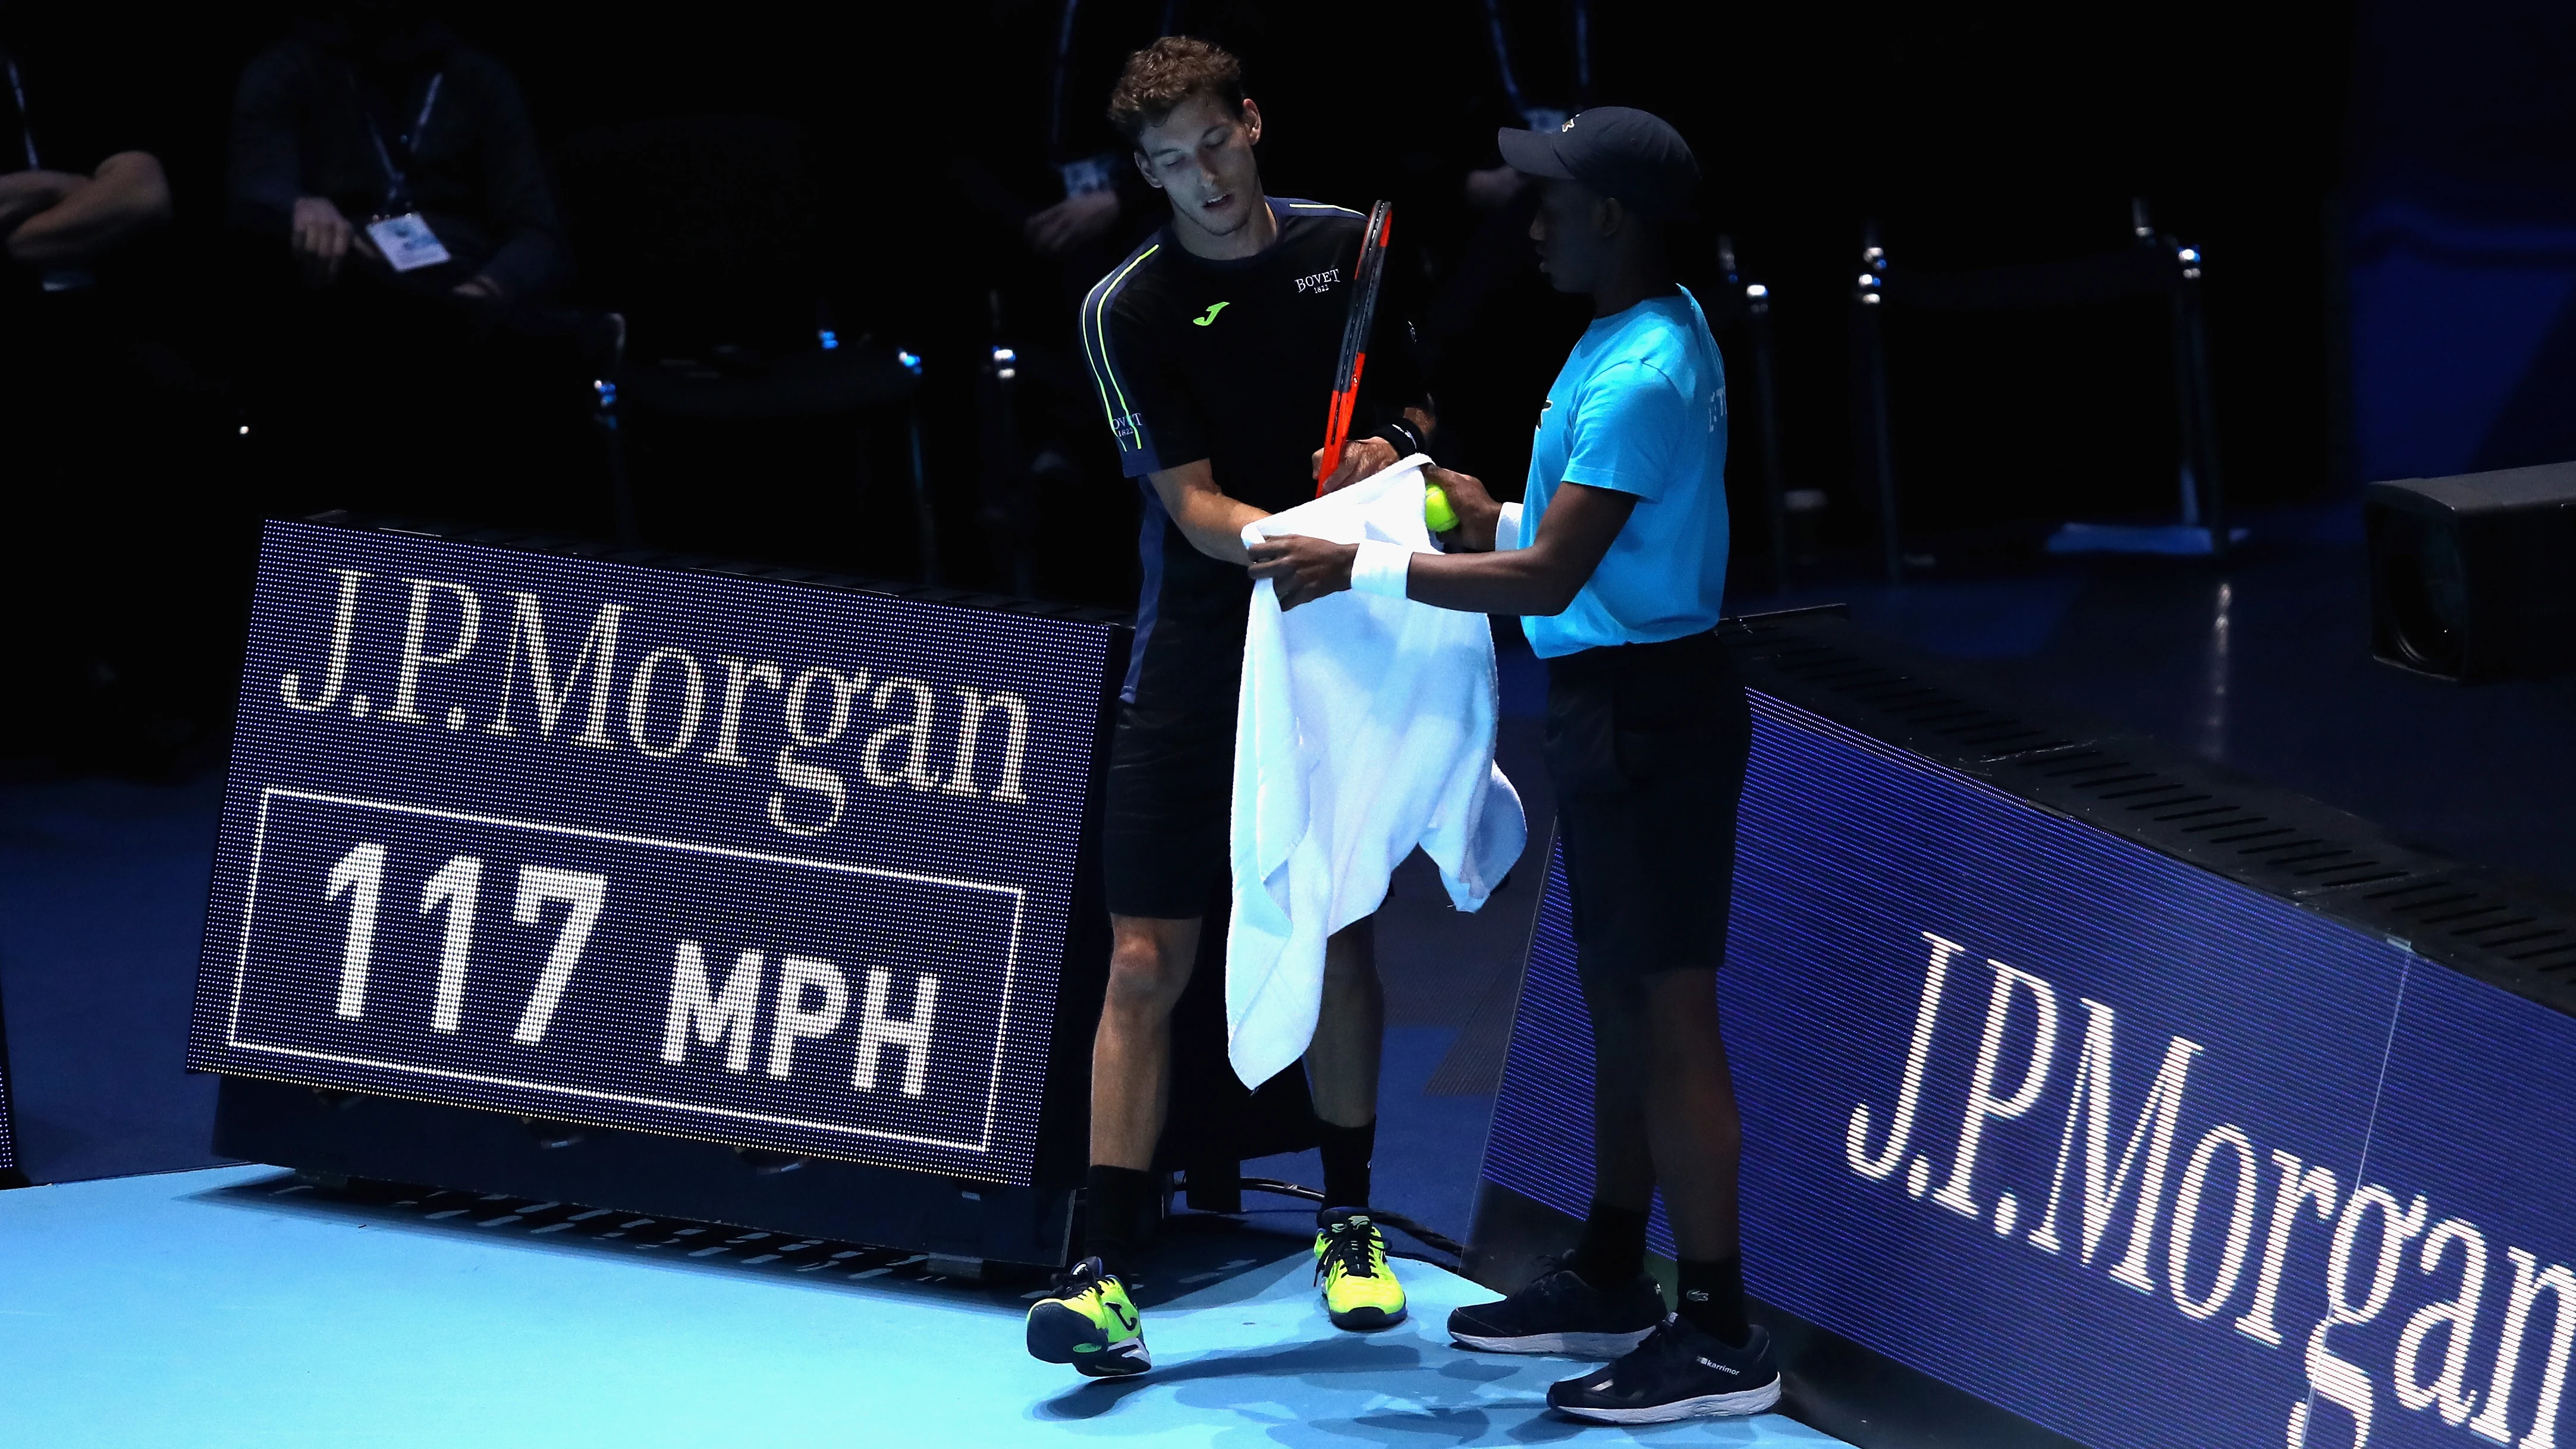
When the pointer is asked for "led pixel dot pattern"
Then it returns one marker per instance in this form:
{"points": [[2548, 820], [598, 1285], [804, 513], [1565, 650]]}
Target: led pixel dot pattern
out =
{"points": [[723, 857]]}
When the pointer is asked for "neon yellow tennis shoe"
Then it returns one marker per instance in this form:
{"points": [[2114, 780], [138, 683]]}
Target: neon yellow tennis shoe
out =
{"points": [[1360, 1291], [1090, 1323]]}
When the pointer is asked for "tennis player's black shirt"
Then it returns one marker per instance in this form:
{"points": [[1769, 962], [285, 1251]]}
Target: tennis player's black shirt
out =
{"points": [[1230, 361]]}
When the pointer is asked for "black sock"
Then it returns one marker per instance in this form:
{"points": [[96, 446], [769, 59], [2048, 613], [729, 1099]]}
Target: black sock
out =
{"points": [[1117, 1202], [1712, 1294], [1613, 1250], [1346, 1164]]}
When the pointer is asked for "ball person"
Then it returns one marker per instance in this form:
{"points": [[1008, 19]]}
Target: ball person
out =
{"points": [[1616, 559]]}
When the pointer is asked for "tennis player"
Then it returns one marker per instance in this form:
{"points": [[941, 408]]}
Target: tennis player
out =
{"points": [[1616, 559], [1213, 348]]}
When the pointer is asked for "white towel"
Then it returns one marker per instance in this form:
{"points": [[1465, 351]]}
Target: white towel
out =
{"points": [[1365, 728]]}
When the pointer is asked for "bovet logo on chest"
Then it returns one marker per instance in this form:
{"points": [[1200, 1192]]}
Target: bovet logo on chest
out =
{"points": [[1319, 282]]}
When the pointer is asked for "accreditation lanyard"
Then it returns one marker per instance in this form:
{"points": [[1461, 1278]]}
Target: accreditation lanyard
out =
{"points": [[1543, 118], [26, 128], [397, 184], [1055, 94], [1064, 68]]}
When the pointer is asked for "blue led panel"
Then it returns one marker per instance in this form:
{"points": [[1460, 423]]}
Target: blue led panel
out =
{"points": [[2143, 1155], [8, 1143], [712, 856]]}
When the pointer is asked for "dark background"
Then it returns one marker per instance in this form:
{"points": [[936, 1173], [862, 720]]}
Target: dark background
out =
{"points": [[2386, 194], [1969, 135]]}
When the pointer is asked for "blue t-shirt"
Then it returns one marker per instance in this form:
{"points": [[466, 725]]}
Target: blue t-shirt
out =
{"points": [[1640, 407]]}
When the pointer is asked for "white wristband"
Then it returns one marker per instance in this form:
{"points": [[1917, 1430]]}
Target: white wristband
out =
{"points": [[1507, 528], [1381, 569]]}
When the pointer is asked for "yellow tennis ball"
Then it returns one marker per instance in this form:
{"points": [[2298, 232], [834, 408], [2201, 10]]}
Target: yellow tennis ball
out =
{"points": [[1436, 510]]}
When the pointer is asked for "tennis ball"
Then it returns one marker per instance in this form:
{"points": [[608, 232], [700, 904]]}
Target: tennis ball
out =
{"points": [[1436, 510]]}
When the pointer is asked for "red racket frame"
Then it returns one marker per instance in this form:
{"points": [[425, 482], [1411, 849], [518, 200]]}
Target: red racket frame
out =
{"points": [[1365, 276]]}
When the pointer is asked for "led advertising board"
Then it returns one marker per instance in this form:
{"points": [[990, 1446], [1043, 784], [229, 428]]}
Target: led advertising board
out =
{"points": [[8, 1142], [2141, 1154], [708, 855]]}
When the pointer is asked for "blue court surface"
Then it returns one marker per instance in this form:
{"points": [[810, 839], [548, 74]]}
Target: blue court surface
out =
{"points": [[232, 1306]]}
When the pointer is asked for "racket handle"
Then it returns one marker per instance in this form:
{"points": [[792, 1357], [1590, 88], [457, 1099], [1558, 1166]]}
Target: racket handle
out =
{"points": [[1337, 437], [1337, 433]]}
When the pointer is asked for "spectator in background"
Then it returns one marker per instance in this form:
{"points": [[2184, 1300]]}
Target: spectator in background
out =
{"points": [[376, 111], [80, 192], [1495, 329], [77, 188], [1537, 59], [83, 191], [407, 265], [1047, 168]]}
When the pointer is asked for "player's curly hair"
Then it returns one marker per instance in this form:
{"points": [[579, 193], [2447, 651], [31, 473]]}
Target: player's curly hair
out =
{"points": [[1164, 74]]}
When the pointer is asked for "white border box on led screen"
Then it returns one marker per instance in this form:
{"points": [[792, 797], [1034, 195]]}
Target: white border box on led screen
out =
{"points": [[1001, 1027]]}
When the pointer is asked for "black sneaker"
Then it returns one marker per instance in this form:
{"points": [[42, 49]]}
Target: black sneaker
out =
{"points": [[1561, 1313], [1679, 1372]]}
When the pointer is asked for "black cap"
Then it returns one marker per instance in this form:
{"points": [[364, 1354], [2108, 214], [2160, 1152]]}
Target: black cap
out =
{"points": [[1617, 151]]}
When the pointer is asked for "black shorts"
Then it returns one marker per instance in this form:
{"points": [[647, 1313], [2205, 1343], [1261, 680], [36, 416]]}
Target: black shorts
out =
{"points": [[1646, 744], [1165, 847]]}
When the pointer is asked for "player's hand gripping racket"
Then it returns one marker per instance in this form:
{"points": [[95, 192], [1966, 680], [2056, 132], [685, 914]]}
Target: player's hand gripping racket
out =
{"points": [[1365, 277]]}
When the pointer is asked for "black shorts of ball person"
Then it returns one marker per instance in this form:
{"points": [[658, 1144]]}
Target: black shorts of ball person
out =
{"points": [[1647, 746]]}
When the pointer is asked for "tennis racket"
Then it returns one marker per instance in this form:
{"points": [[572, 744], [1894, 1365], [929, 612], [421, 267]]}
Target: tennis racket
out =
{"points": [[1365, 276]]}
